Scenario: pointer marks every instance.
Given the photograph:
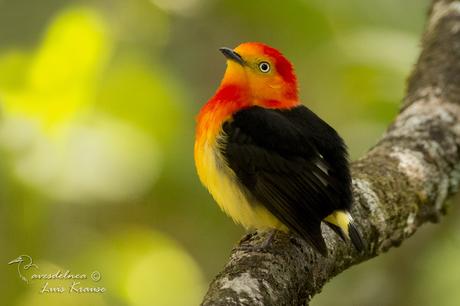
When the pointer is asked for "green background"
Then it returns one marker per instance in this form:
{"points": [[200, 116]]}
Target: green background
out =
{"points": [[97, 108]]}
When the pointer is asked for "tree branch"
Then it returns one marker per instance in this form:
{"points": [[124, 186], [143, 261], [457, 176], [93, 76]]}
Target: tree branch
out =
{"points": [[398, 185]]}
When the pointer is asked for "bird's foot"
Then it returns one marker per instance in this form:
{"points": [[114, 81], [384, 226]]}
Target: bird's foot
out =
{"points": [[245, 244]]}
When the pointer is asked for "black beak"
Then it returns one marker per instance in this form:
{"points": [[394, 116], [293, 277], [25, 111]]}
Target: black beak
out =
{"points": [[232, 55]]}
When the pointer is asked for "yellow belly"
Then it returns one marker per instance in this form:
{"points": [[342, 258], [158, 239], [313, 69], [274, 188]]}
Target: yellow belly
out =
{"points": [[221, 182]]}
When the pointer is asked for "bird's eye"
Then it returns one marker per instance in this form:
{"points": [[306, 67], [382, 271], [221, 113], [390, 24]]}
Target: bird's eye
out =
{"points": [[264, 67]]}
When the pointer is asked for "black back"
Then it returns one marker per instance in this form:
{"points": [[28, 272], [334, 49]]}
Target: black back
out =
{"points": [[291, 162]]}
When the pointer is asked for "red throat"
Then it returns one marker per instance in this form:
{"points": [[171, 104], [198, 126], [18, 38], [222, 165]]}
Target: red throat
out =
{"points": [[227, 100]]}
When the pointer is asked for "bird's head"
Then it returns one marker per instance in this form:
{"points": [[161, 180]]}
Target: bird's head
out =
{"points": [[17, 260], [262, 73]]}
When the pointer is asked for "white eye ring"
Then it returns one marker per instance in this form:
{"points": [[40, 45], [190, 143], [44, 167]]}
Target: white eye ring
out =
{"points": [[264, 67]]}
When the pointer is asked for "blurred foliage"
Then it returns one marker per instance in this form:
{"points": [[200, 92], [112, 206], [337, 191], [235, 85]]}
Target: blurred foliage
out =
{"points": [[97, 107]]}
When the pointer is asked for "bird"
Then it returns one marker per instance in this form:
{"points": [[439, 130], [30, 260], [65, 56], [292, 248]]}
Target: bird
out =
{"points": [[19, 261], [268, 161]]}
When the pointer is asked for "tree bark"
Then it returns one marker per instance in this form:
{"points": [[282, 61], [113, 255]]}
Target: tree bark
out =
{"points": [[401, 183]]}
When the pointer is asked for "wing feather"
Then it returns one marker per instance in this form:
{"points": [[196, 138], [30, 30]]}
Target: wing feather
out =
{"points": [[281, 161]]}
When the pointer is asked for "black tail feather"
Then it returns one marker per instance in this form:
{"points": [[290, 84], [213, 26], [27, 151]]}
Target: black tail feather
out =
{"points": [[320, 245], [355, 237], [337, 230], [316, 240]]}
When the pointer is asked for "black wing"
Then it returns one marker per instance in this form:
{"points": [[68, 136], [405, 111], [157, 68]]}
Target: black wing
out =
{"points": [[293, 163]]}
